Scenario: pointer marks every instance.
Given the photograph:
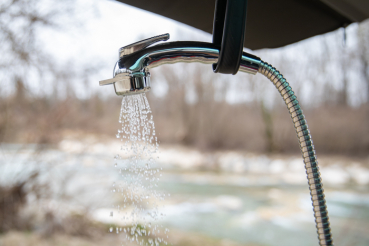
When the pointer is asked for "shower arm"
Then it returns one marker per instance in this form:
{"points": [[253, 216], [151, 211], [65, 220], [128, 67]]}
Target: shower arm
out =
{"points": [[131, 72], [131, 76]]}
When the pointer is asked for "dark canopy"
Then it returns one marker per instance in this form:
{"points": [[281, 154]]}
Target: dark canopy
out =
{"points": [[270, 23]]}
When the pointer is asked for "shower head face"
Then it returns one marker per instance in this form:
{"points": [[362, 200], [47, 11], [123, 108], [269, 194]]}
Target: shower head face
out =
{"points": [[128, 84]]}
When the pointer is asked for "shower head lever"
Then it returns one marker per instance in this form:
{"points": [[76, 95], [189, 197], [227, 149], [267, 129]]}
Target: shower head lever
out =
{"points": [[131, 48]]}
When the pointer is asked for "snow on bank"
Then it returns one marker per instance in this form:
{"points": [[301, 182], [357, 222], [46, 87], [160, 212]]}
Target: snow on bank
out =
{"points": [[286, 169]]}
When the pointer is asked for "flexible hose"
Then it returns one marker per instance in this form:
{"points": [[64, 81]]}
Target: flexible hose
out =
{"points": [[307, 150]]}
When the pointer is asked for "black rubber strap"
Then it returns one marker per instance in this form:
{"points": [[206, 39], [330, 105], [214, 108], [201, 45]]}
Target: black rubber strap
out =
{"points": [[228, 33]]}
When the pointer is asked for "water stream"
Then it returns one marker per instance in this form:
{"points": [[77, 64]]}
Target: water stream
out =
{"points": [[139, 207]]}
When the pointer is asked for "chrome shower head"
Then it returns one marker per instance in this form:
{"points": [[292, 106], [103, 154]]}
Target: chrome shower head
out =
{"points": [[127, 82], [131, 73]]}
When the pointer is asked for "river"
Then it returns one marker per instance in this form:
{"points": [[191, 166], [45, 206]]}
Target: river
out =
{"points": [[227, 195]]}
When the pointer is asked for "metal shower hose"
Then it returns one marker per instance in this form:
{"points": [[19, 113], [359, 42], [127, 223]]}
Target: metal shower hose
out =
{"points": [[307, 150]]}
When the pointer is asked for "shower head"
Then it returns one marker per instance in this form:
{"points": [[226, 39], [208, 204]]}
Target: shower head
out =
{"points": [[131, 72], [127, 82]]}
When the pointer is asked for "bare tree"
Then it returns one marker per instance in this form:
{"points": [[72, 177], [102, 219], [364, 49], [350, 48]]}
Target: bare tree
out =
{"points": [[363, 50]]}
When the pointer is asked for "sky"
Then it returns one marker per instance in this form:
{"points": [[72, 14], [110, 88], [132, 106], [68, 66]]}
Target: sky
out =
{"points": [[111, 25]]}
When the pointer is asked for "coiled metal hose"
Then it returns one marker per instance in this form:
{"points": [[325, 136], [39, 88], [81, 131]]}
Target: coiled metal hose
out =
{"points": [[307, 150]]}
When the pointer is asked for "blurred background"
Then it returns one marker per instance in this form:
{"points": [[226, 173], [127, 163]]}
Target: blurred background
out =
{"points": [[228, 148]]}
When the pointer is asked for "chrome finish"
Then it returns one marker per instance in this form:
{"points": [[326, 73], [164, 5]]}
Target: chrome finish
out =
{"points": [[188, 54], [175, 55], [126, 82], [121, 72], [249, 64], [132, 82], [307, 150], [131, 74], [129, 49]]}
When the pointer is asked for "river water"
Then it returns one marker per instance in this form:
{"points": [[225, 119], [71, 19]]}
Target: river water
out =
{"points": [[242, 197]]}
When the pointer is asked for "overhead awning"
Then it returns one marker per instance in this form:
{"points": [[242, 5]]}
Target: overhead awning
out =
{"points": [[270, 23]]}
